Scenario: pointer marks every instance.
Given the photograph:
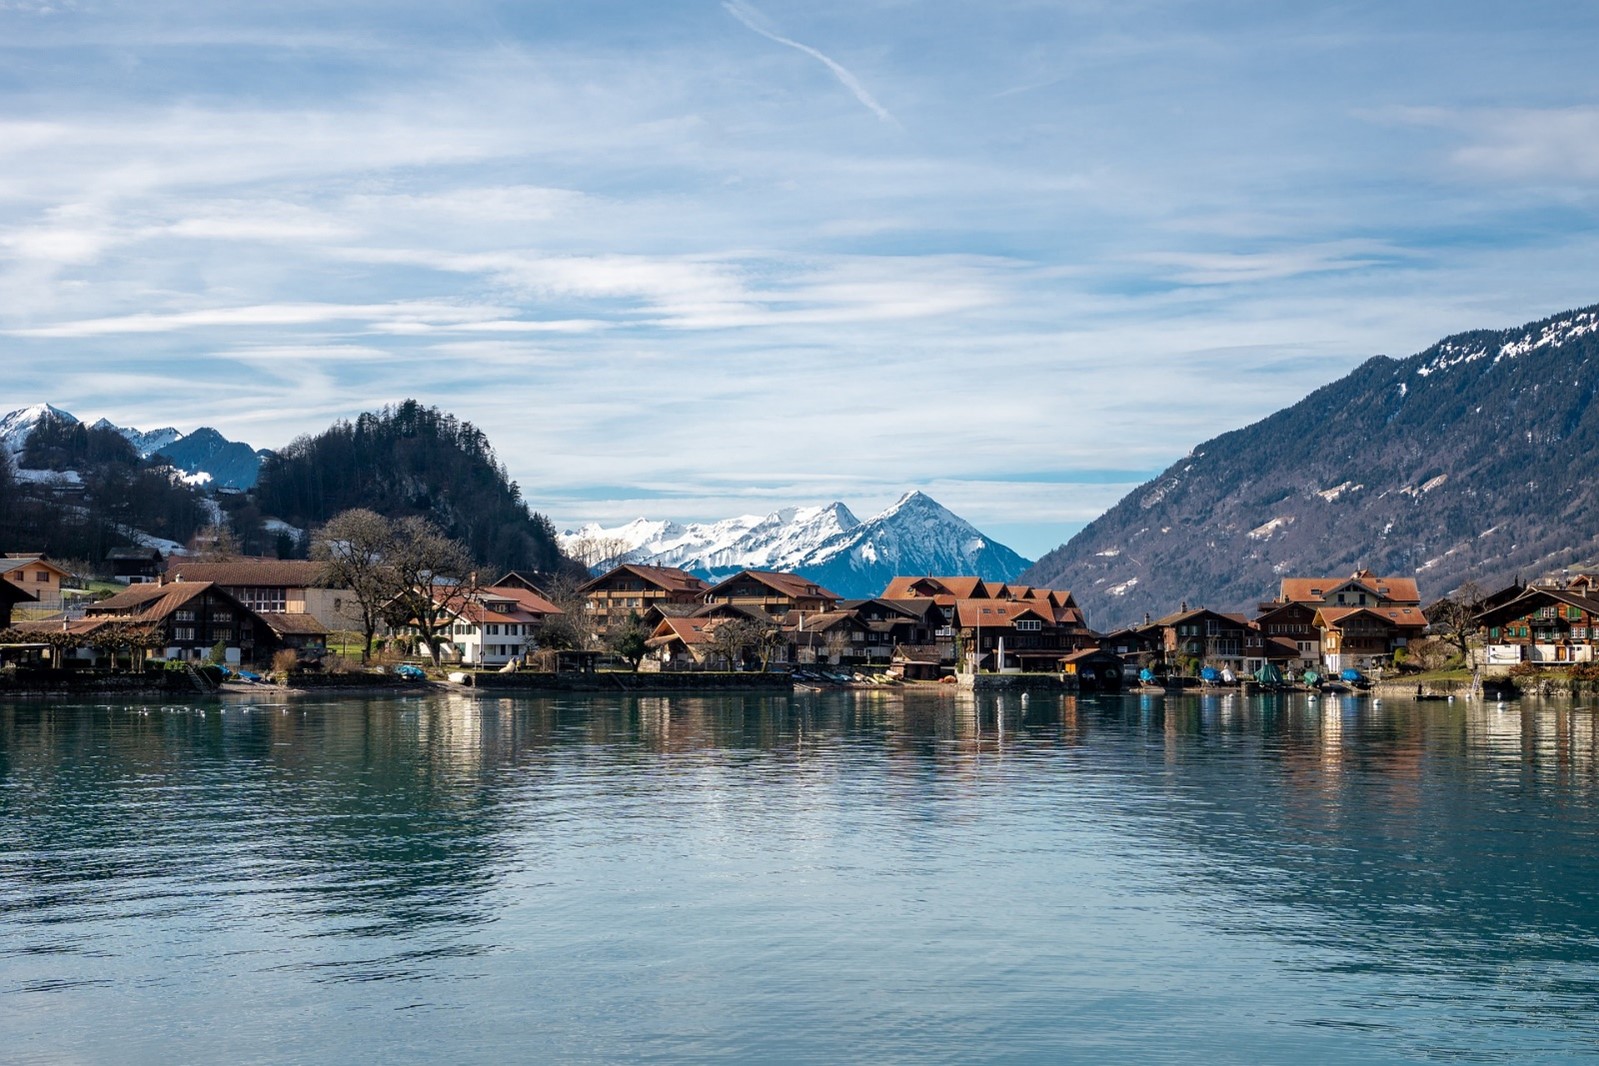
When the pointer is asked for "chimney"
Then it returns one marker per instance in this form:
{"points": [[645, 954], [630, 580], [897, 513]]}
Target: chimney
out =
{"points": [[161, 578]]}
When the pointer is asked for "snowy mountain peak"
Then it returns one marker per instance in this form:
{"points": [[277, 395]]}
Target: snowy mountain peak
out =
{"points": [[16, 426], [145, 443], [827, 543]]}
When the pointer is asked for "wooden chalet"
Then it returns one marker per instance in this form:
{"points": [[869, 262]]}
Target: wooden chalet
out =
{"points": [[772, 593], [1545, 626], [1211, 638], [631, 589], [192, 617]]}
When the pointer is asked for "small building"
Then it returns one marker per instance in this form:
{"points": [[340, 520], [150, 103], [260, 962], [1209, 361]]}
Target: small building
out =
{"points": [[134, 564], [38, 576]]}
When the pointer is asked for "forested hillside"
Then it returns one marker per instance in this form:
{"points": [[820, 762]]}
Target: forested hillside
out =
{"points": [[1469, 460], [405, 460], [88, 491]]}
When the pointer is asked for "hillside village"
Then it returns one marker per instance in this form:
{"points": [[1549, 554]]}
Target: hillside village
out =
{"points": [[247, 613]]}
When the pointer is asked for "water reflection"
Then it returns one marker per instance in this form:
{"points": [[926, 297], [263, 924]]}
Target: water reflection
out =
{"points": [[1420, 870]]}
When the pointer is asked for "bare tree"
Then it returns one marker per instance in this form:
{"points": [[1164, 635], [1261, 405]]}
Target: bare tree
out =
{"points": [[1454, 619], [597, 550], [215, 543], [357, 549], [732, 637], [435, 579], [629, 641]]}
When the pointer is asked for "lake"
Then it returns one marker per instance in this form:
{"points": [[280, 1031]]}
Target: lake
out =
{"points": [[852, 876]]}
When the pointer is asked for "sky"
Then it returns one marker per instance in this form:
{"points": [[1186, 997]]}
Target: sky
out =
{"points": [[695, 259]]}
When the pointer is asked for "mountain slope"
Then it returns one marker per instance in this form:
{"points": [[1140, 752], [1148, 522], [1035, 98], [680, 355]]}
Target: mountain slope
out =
{"points": [[209, 455], [1465, 461]]}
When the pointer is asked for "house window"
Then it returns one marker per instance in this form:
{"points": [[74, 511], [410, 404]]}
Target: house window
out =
{"points": [[1493, 633], [183, 633], [1029, 625], [41, 575], [1574, 614], [183, 616], [1579, 632]]}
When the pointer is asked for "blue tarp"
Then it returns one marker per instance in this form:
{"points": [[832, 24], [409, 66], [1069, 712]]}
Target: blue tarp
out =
{"points": [[1210, 673], [1145, 676], [1350, 675]]}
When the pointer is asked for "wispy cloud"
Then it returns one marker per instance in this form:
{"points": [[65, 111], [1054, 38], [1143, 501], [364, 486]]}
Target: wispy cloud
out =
{"points": [[756, 22]]}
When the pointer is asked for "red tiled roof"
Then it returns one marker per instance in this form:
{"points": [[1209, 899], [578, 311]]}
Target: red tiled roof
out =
{"points": [[1315, 589]]}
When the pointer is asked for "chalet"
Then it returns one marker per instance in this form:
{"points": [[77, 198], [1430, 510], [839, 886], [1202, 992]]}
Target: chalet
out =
{"points": [[277, 586], [631, 589], [1012, 635], [134, 564], [192, 617], [1545, 626], [1205, 636], [1362, 637], [835, 638], [689, 643], [772, 593]]}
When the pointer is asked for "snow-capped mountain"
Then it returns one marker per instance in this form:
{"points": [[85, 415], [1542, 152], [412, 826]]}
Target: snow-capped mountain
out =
{"points": [[771, 542], [917, 535], [827, 544], [205, 457], [145, 443], [16, 426]]}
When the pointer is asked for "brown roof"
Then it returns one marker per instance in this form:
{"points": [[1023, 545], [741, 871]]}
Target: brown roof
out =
{"points": [[666, 578], [150, 602], [525, 598], [1334, 617], [783, 584], [687, 630], [301, 625], [941, 588], [253, 573]]}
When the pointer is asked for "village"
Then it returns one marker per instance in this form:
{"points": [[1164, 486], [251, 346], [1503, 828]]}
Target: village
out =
{"points": [[253, 617]]}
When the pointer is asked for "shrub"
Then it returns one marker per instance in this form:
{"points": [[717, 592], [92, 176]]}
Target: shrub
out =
{"points": [[286, 662], [1585, 672], [1525, 670]]}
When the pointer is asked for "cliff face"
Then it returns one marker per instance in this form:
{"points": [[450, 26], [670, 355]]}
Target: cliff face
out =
{"points": [[1471, 460]]}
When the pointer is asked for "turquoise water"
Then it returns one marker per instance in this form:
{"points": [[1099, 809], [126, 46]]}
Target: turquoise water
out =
{"points": [[846, 877]]}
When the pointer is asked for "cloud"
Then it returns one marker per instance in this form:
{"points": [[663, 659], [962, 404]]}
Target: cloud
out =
{"points": [[753, 19]]}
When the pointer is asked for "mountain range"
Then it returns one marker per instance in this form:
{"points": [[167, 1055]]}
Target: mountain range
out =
{"points": [[1464, 462], [827, 544], [205, 456]]}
